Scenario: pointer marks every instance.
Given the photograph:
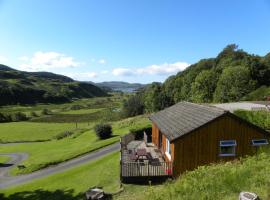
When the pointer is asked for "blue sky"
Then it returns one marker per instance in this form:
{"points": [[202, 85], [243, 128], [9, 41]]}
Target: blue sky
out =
{"points": [[135, 41]]}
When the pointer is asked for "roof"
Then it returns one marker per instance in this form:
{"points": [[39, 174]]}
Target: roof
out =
{"points": [[184, 117]]}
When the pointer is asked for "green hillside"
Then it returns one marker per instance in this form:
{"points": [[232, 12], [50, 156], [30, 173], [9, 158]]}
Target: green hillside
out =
{"points": [[41, 87], [233, 75]]}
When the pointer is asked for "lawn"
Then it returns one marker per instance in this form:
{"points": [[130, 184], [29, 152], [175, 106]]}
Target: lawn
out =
{"points": [[4, 159], [70, 184], [30, 131], [43, 154]]}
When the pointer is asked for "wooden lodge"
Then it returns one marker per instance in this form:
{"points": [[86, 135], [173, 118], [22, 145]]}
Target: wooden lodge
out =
{"points": [[188, 135]]}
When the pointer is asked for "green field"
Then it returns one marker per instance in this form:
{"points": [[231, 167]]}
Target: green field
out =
{"points": [[4, 159], [70, 184], [30, 131], [43, 154]]}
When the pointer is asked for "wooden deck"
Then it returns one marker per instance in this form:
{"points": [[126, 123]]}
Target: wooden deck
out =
{"points": [[152, 166]]}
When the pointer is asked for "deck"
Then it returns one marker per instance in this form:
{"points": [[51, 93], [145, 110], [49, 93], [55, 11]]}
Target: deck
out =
{"points": [[149, 165]]}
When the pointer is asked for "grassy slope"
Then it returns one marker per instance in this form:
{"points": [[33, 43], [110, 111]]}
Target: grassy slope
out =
{"points": [[103, 172], [220, 181], [30, 131], [4, 159], [51, 152]]}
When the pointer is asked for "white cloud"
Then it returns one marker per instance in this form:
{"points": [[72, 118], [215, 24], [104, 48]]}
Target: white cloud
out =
{"points": [[163, 69], [82, 75], [104, 72], [123, 72], [48, 60], [23, 58], [3, 59], [102, 61]]}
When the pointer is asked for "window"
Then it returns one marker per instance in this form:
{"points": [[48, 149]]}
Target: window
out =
{"points": [[259, 142], [227, 147], [168, 149]]}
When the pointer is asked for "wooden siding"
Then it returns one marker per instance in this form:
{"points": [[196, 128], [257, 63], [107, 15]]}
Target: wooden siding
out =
{"points": [[155, 140], [201, 146]]}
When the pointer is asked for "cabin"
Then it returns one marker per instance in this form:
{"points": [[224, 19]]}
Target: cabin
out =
{"points": [[185, 136], [191, 135]]}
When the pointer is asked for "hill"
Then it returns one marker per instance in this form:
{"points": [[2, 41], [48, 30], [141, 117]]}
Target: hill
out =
{"points": [[120, 86], [233, 75], [41, 87]]}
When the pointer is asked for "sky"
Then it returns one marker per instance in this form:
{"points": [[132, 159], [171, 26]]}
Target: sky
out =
{"points": [[127, 40]]}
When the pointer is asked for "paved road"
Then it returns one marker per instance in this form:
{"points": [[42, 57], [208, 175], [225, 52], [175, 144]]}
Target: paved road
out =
{"points": [[240, 105], [7, 181]]}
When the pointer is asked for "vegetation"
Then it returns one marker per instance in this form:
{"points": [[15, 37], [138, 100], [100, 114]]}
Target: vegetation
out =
{"points": [[103, 131], [41, 87], [71, 184], [260, 118], [233, 75], [216, 181], [29, 131], [44, 154], [4, 159]]}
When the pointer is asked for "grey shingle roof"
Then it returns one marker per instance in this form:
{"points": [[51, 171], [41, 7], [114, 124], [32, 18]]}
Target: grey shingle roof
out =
{"points": [[184, 117]]}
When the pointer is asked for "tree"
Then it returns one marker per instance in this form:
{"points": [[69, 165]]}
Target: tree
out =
{"points": [[203, 87], [19, 116], [233, 84], [45, 111], [133, 106], [103, 131]]}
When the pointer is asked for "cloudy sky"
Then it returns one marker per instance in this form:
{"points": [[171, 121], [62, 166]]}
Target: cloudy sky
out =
{"points": [[126, 40]]}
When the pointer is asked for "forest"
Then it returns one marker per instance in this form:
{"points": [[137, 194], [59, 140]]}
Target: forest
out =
{"points": [[233, 75]]}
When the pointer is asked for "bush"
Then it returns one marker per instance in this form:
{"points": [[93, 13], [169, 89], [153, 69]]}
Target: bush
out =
{"points": [[76, 107], [34, 114], [45, 111], [103, 131], [19, 116], [64, 135], [5, 118]]}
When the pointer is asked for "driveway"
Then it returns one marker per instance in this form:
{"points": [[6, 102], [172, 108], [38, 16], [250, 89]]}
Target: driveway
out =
{"points": [[16, 158]]}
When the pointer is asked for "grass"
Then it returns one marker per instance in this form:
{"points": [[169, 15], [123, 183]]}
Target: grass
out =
{"points": [[217, 181], [29, 131], [70, 184], [4, 159], [43, 154], [82, 111], [260, 118]]}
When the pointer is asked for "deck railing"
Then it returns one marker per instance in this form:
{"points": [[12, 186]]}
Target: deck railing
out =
{"points": [[138, 169]]}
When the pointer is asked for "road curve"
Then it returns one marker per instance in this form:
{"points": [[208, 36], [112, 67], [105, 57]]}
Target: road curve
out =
{"points": [[7, 181]]}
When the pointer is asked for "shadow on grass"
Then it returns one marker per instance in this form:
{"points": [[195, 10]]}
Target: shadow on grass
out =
{"points": [[44, 195], [5, 165]]}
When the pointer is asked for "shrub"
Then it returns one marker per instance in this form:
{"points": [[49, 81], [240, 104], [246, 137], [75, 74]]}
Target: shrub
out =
{"points": [[5, 118], [34, 114], [103, 131], [19, 116], [64, 135], [45, 111], [76, 107]]}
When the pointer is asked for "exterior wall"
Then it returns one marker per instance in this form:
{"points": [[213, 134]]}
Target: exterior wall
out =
{"points": [[201, 146], [155, 140]]}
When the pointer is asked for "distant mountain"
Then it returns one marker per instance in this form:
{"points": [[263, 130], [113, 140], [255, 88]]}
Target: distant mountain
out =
{"points": [[120, 86], [41, 87]]}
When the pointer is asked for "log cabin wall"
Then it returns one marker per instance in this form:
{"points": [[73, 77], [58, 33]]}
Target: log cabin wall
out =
{"points": [[201, 146]]}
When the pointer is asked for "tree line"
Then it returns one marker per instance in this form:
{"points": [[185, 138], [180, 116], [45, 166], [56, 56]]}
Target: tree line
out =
{"points": [[233, 75]]}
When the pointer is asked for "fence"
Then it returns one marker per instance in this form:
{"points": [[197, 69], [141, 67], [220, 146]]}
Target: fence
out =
{"points": [[137, 169]]}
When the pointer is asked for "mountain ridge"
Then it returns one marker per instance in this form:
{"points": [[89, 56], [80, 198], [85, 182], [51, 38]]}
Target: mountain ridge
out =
{"points": [[20, 87]]}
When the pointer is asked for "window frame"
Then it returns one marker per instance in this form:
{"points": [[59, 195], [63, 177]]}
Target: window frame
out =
{"points": [[259, 144], [233, 145]]}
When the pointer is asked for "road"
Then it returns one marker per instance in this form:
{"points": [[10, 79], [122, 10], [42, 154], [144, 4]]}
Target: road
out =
{"points": [[16, 158]]}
